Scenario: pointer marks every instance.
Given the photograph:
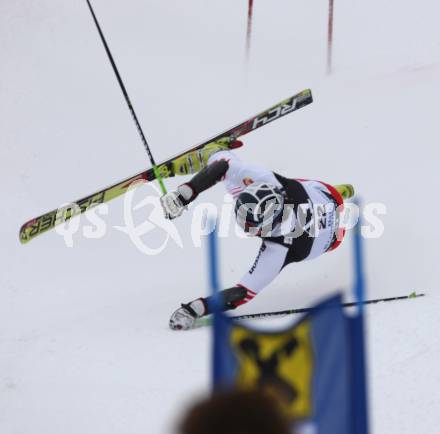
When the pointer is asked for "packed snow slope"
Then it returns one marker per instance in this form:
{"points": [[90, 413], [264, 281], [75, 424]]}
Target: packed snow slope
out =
{"points": [[84, 343]]}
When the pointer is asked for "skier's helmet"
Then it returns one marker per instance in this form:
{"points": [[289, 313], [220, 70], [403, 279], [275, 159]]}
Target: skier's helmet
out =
{"points": [[259, 206]]}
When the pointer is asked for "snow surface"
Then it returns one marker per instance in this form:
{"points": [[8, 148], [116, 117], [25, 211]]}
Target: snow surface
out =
{"points": [[84, 343]]}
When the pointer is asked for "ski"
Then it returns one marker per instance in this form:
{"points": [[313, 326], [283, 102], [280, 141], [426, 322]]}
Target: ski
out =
{"points": [[47, 221], [200, 322]]}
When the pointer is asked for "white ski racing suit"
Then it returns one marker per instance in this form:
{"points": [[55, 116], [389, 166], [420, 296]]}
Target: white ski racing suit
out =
{"points": [[294, 239]]}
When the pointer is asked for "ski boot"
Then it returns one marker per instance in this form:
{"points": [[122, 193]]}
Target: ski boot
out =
{"points": [[194, 161]]}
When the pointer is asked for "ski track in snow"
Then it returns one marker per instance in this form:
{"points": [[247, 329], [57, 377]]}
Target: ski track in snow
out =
{"points": [[84, 343]]}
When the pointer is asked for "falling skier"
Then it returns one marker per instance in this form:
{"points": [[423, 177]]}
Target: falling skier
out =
{"points": [[296, 219]]}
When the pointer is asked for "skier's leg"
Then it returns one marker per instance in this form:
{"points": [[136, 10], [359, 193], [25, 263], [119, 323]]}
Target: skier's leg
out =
{"points": [[330, 236], [339, 193]]}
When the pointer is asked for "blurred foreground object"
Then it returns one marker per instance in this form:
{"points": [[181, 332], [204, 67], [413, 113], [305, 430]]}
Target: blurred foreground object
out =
{"points": [[235, 412]]}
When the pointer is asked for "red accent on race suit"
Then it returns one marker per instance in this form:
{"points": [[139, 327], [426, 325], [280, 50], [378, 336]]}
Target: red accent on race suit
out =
{"points": [[249, 296], [248, 181], [235, 191], [340, 232]]}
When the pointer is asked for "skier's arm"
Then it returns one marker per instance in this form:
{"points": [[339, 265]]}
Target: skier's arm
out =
{"points": [[175, 202], [268, 264], [206, 178]]}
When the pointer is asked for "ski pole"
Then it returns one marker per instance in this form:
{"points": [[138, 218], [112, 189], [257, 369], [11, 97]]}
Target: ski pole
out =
{"points": [[310, 309], [127, 99]]}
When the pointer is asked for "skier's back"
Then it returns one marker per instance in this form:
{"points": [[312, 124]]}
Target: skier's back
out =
{"points": [[296, 219]]}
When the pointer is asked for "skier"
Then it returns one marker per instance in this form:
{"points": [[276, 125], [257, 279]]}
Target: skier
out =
{"points": [[296, 219]]}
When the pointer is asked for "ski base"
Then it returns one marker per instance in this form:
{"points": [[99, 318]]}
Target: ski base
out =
{"points": [[45, 222]]}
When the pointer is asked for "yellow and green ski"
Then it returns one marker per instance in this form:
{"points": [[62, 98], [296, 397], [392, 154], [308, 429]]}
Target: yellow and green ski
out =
{"points": [[45, 222]]}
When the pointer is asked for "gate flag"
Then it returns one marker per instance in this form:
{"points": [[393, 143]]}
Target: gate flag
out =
{"points": [[308, 366]]}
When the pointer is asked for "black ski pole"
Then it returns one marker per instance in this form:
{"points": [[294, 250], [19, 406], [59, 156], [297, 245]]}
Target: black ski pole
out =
{"points": [[127, 99], [310, 309]]}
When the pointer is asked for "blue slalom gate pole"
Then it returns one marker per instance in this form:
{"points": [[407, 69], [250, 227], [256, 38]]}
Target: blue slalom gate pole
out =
{"points": [[358, 335], [217, 327]]}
